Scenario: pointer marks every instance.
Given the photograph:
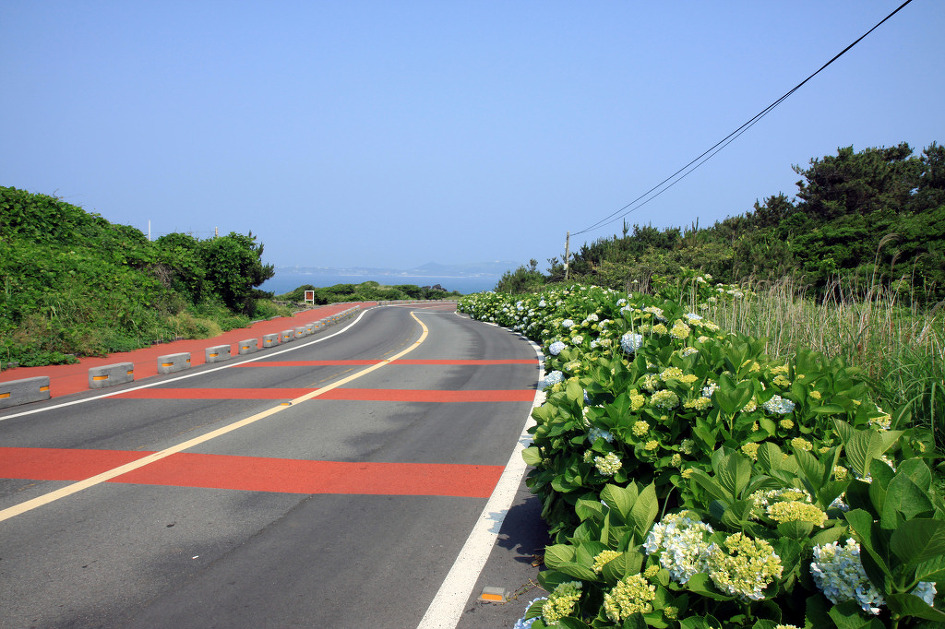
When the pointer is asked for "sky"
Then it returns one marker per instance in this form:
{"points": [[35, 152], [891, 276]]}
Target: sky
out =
{"points": [[392, 134]]}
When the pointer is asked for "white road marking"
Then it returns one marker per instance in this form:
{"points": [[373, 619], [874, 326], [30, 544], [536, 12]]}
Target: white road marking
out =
{"points": [[107, 475], [448, 604]]}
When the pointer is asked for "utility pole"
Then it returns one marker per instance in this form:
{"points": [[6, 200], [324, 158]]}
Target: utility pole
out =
{"points": [[567, 254]]}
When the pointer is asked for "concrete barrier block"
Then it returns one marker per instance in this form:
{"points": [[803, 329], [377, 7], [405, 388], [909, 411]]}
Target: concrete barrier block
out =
{"points": [[24, 391], [309, 328], [287, 335], [300, 332], [248, 346], [111, 375], [270, 340], [217, 353], [173, 362]]}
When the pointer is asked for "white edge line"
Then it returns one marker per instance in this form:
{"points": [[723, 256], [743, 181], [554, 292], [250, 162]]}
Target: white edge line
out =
{"points": [[193, 375], [447, 606]]}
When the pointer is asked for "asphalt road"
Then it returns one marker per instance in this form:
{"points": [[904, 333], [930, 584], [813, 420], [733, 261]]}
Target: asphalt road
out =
{"points": [[320, 486]]}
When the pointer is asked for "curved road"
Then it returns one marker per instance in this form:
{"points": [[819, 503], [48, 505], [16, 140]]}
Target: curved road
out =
{"points": [[329, 484]]}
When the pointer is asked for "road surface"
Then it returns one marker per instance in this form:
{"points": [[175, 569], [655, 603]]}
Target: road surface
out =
{"points": [[329, 484]]}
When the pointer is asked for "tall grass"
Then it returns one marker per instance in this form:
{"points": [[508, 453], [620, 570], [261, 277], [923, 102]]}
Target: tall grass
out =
{"points": [[900, 346]]}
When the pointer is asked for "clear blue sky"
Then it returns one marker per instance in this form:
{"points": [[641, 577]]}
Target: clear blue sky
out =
{"points": [[398, 133]]}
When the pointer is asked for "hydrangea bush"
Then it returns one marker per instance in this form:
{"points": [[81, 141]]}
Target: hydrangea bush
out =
{"points": [[690, 481]]}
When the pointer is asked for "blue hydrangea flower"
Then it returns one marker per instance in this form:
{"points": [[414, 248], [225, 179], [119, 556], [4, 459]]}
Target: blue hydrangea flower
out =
{"points": [[631, 342], [779, 406], [556, 348], [838, 573], [551, 380]]}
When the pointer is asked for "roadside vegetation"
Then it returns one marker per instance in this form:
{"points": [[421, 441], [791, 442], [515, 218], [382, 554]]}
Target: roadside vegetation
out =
{"points": [[853, 267], [74, 284], [744, 423], [689, 478]]}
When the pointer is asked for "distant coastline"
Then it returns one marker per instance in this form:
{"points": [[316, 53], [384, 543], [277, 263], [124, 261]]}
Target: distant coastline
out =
{"points": [[475, 277], [285, 281]]}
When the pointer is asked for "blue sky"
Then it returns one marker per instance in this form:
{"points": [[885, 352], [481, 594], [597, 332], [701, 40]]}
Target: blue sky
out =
{"points": [[399, 133]]}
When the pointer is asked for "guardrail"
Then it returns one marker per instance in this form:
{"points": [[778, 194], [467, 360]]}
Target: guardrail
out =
{"points": [[35, 389]]}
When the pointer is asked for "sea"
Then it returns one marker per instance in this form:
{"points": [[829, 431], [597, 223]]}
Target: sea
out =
{"points": [[284, 282]]}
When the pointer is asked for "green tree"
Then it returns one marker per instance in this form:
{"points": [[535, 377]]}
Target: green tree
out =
{"points": [[858, 183], [522, 280], [234, 268]]}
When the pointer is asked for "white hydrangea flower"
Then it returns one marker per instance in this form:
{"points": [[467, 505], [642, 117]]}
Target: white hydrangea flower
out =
{"points": [[608, 465], [743, 567], [596, 433], [656, 312], [681, 543]]}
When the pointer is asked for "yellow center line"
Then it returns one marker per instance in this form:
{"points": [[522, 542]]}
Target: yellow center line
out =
{"points": [[98, 479]]}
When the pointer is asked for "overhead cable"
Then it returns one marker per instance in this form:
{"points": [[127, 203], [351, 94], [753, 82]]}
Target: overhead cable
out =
{"points": [[709, 153]]}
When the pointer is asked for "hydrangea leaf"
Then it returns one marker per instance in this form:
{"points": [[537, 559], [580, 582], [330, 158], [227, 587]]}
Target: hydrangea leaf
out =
{"points": [[709, 484], [911, 605], [574, 391], [796, 529], [847, 615], [701, 584], [827, 409], [700, 622], [644, 510], [589, 510], [770, 457], [734, 515], [870, 538], [829, 535], [626, 564], [918, 540], [904, 500], [558, 554], [734, 474], [532, 456], [918, 471], [932, 570], [577, 571], [862, 446], [620, 499], [813, 470]]}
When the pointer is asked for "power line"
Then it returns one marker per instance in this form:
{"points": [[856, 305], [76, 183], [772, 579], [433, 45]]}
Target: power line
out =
{"points": [[709, 153]]}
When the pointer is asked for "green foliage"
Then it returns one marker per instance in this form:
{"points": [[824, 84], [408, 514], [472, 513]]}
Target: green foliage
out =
{"points": [[689, 479], [367, 291], [876, 216], [75, 284], [233, 268], [522, 280]]}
